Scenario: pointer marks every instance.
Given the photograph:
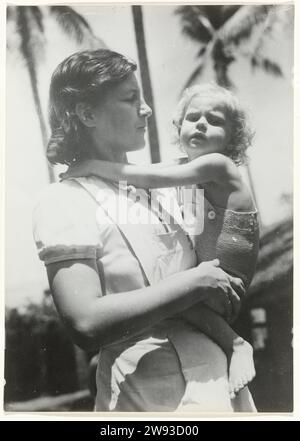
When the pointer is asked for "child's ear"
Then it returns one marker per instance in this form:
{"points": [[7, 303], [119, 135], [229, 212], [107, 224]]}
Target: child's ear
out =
{"points": [[85, 113]]}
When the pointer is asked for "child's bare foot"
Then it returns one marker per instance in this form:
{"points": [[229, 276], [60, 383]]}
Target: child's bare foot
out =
{"points": [[241, 368]]}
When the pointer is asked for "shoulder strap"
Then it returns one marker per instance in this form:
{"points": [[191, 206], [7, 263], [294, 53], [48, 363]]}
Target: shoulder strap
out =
{"points": [[133, 236]]}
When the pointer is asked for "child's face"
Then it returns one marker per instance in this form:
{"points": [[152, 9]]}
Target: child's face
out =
{"points": [[205, 127]]}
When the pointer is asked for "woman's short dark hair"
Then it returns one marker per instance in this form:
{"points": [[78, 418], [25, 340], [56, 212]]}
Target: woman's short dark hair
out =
{"points": [[82, 77]]}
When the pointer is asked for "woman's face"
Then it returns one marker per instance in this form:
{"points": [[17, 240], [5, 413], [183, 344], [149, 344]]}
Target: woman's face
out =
{"points": [[121, 119], [205, 127]]}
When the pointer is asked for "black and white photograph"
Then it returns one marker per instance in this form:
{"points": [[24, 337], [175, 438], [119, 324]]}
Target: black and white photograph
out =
{"points": [[149, 208]]}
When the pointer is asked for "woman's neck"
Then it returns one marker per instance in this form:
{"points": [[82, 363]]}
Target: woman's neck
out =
{"points": [[105, 152], [111, 156]]}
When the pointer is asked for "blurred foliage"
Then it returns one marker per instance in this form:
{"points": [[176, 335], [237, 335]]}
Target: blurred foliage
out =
{"points": [[226, 33], [39, 355]]}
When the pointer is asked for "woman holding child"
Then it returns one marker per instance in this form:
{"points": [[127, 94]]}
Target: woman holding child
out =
{"points": [[138, 290]]}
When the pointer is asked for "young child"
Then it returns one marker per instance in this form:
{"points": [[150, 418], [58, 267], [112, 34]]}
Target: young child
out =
{"points": [[212, 129]]}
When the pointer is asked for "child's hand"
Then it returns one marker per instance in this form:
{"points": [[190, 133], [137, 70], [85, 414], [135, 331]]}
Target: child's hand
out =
{"points": [[79, 170]]}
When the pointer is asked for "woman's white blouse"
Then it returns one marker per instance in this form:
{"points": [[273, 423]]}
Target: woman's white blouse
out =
{"points": [[77, 219], [171, 366]]}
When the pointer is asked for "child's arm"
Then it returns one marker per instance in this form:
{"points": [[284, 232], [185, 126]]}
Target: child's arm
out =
{"points": [[207, 168]]}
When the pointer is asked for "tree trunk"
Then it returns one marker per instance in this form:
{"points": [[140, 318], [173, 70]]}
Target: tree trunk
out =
{"points": [[24, 29], [38, 108], [146, 81]]}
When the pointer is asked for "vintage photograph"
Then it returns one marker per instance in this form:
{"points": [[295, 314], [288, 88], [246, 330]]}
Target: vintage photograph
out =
{"points": [[149, 208]]}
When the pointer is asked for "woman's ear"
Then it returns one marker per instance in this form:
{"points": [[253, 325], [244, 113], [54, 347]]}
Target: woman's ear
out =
{"points": [[85, 113]]}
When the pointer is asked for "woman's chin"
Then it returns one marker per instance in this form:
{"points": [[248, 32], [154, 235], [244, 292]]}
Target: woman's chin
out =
{"points": [[136, 147]]}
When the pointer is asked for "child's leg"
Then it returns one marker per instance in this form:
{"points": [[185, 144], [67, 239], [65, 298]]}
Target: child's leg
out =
{"points": [[238, 351]]}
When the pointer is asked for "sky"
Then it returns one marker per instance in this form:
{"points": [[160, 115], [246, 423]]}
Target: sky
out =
{"points": [[172, 57]]}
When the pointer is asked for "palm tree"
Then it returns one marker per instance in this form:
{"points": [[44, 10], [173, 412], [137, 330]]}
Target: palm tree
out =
{"points": [[29, 23], [223, 33]]}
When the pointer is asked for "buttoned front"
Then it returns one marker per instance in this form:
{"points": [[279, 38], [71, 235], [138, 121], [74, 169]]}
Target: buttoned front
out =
{"points": [[211, 215], [230, 236]]}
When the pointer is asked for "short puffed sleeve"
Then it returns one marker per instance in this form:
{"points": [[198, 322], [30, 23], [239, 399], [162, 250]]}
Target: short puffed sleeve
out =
{"points": [[64, 224]]}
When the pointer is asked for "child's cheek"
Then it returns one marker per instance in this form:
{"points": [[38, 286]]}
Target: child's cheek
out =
{"points": [[183, 140], [183, 137]]}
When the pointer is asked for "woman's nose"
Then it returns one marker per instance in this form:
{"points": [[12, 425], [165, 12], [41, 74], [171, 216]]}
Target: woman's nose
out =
{"points": [[145, 110]]}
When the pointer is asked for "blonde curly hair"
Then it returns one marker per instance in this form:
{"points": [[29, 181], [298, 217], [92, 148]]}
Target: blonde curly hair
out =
{"points": [[241, 134]]}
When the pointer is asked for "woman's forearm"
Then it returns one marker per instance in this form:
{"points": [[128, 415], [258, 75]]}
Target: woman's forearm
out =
{"points": [[117, 317], [96, 320]]}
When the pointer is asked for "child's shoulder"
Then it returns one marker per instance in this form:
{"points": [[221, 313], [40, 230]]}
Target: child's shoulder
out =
{"points": [[221, 167], [219, 159]]}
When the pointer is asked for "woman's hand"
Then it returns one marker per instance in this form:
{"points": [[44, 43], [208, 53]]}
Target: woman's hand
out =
{"points": [[224, 291], [80, 170]]}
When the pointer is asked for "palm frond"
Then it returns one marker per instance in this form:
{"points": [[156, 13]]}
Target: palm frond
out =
{"points": [[202, 51], [228, 11], [218, 15], [222, 75], [24, 31], [195, 23], [270, 22], [241, 25], [71, 22], [195, 74], [267, 65], [37, 16], [202, 63], [11, 24], [266, 32], [222, 58], [29, 22], [185, 12], [211, 18]]}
